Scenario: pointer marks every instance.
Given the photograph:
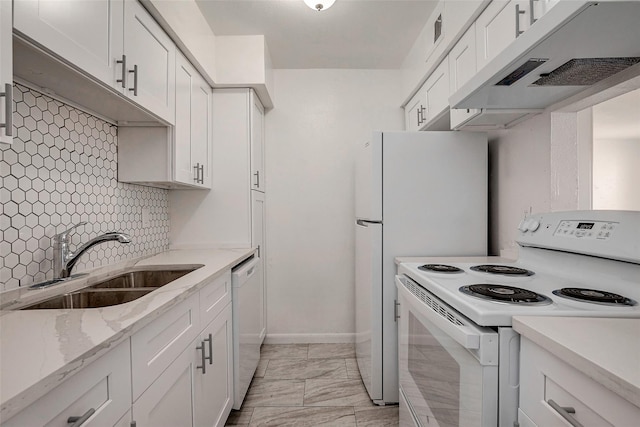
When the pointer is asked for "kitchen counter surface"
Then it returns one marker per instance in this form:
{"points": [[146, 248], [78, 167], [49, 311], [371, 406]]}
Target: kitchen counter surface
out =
{"points": [[607, 350], [40, 348]]}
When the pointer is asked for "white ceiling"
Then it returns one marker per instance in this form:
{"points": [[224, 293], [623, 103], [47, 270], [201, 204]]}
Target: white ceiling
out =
{"points": [[618, 118], [370, 34]]}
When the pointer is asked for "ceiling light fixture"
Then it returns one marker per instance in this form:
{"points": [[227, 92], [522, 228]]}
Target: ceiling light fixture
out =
{"points": [[319, 4]]}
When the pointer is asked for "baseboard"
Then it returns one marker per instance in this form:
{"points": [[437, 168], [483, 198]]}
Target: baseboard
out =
{"points": [[309, 338]]}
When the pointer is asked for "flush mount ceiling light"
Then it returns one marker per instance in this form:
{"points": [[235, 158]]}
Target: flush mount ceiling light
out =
{"points": [[319, 4]]}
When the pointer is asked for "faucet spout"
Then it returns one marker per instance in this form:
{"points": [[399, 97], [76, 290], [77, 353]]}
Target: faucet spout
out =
{"points": [[69, 259]]}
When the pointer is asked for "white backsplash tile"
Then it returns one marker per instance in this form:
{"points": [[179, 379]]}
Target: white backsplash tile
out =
{"points": [[61, 170]]}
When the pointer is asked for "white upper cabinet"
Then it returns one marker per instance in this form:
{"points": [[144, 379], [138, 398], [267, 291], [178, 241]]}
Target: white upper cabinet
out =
{"points": [[257, 145], [88, 34], [6, 74], [500, 24], [113, 41], [462, 66], [192, 133], [437, 97], [150, 62]]}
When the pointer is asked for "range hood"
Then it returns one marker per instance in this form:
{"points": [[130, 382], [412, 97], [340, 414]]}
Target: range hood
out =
{"points": [[574, 49]]}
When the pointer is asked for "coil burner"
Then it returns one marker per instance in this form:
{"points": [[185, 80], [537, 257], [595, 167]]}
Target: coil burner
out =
{"points": [[506, 270], [505, 294], [594, 296], [440, 268]]}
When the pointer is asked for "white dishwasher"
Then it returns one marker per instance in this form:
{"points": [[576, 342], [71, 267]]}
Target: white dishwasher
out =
{"points": [[247, 311]]}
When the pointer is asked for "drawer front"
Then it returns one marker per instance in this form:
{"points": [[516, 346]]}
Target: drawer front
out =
{"points": [[214, 297], [159, 343], [545, 378], [103, 386]]}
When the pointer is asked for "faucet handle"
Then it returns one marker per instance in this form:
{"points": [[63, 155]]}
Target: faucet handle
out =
{"points": [[63, 236]]}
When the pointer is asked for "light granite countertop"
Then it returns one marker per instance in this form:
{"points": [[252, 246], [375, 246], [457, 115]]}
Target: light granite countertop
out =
{"points": [[40, 348], [607, 350]]}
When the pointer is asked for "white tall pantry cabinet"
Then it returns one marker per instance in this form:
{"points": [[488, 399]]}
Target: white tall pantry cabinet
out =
{"points": [[6, 72], [232, 214]]}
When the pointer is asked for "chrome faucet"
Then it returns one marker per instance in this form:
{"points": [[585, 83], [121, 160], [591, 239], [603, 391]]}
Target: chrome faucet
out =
{"points": [[64, 260]]}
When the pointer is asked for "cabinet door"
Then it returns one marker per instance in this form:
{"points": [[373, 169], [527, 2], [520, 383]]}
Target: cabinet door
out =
{"points": [[87, 34], [183, 170], [6, 73], [415, 112], [151, 58], [213, 388], [437, 92], [257, 144], [168, 401], [258, 239], [104, 387], [500, 23], [201, 117], [462, 66]]}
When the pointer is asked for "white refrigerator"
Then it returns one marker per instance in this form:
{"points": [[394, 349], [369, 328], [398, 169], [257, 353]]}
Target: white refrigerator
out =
{"points": [[417, 194]]}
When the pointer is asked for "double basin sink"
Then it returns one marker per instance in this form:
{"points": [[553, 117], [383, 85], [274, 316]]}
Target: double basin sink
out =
{"points": [[129, 285]]}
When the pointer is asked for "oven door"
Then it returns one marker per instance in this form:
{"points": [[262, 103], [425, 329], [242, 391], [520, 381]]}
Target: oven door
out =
{"points": [[448, 365]]}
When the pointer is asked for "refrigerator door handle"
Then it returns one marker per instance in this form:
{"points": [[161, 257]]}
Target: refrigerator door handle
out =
{"points": [[365, 223]]}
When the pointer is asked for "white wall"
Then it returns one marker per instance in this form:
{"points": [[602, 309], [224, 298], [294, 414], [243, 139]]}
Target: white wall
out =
{"points": [[519, 179], [616, 174], [311, 137]]}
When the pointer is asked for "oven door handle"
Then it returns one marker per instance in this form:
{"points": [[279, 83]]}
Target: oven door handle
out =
{"points": [[468, 336]]}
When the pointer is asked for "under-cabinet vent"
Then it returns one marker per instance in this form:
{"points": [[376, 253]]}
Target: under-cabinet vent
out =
{"points": [[432, 302], [585, 71]]}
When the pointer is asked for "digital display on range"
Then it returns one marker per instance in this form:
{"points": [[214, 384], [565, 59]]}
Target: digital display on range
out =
{"points": [[585, 225]]}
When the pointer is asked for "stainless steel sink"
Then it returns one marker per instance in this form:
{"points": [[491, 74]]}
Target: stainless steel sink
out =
{"points": [[143, 279], [125, 287], [90, 299]]}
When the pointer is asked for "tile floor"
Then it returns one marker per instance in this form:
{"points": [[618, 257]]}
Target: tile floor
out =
{"points": [[309, 385]]}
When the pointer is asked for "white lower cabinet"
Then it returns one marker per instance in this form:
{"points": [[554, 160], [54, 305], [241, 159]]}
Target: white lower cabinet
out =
{"points": [[197, 388], [213, 386], [183, 372], [553, 393], [101, 392]]}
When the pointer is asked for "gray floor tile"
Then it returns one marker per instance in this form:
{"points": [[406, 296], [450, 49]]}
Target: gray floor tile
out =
{"points": [[353, 371], [264, 392], [284, 351], [240, 418], [335, 393], [377, 416], [291, 369], [303, 417], [331, 351], [262, 367]]}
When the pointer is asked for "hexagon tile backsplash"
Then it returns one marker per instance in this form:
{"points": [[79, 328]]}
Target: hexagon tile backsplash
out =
{"points": [[61, 170]]}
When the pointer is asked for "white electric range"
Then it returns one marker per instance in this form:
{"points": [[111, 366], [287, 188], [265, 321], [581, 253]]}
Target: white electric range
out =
{"points": [[459, 357]]}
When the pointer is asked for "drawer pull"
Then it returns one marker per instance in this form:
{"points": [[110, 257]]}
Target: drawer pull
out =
{"points": [[203, 358], [210, 357], [565, 412], [78, 421]]}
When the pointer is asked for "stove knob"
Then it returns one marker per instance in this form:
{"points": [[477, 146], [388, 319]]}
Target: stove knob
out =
{"points": [[533, 225], [524, 225]]}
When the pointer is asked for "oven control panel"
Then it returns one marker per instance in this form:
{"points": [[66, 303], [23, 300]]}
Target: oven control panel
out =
{"points": [[602, 233], [601, 230]]}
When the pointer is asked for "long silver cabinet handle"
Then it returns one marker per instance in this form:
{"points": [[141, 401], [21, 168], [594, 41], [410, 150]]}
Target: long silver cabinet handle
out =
{"points": [[122, 79], [532, 15], [202, 173], [8, 109], [202, 355], [135, 80], [196, 168], [210, 357], [518, 13], [565, 412], [396, 305], [257, 175], [78, 421]]}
